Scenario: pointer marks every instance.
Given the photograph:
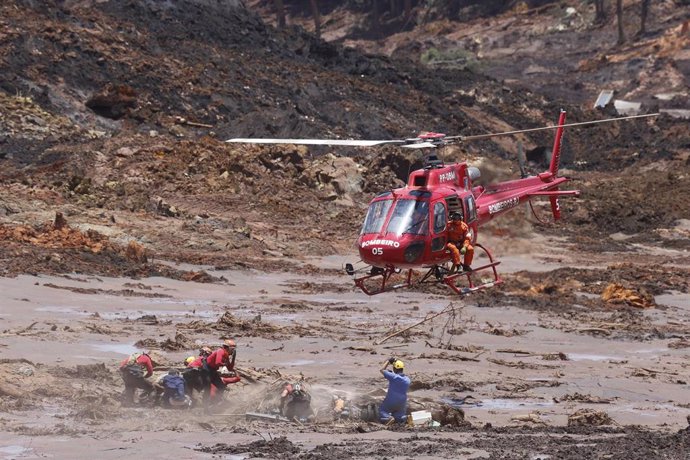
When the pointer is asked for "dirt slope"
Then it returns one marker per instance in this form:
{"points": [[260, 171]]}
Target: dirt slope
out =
{"points": [[118, 109]]}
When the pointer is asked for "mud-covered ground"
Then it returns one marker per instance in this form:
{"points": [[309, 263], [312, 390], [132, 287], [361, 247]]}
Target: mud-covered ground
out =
{"points": [[548, 363], [126, 224]]}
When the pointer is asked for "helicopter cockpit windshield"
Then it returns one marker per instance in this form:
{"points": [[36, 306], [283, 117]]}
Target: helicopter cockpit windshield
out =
{"points": [[409, 216], [376, 216]]}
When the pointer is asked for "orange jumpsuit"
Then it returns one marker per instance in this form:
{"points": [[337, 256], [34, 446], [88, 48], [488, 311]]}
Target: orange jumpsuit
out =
{"points": [[459, 236]]}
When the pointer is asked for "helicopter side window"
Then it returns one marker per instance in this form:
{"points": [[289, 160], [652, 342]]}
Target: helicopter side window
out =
{"points": [[376, 216], [439, 217], [471, 207], [409, 216]]}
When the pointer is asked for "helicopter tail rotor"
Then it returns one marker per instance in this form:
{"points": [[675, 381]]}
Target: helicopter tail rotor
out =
{"points": [[556, 153]]}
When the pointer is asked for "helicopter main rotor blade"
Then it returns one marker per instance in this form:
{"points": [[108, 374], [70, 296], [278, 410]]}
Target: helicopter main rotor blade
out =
{"points": [[421, 142], [519, 131], [420, 145], [347, 142]]}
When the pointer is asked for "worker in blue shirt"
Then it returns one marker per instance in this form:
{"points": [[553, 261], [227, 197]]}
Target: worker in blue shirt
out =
{"points": [[394, 406], [173, 385]]}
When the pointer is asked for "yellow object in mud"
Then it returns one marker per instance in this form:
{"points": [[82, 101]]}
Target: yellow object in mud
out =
{"points": [[398, 364], [189, 360]]}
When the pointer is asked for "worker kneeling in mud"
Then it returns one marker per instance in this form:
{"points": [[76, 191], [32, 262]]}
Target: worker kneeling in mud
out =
{"points": [[295, 402], [173, 387], [134, 371], [394, 405], [192, 374]]}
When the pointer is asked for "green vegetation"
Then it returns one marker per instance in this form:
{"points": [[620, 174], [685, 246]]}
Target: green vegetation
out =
{"points": [[453, 58]]}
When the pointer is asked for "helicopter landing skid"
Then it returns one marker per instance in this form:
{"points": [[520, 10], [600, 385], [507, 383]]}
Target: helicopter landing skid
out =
{"points": [[439, 272], [452, 279], [385, 275]]}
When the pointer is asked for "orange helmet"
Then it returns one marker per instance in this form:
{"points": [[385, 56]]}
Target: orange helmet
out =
{"points": [[205, 351], [229, 343]]}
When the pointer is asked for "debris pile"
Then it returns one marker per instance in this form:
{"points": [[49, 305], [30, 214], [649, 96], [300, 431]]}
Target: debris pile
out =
{"points": [[250, 328], [616, 294], [58, 236], [178, 343], [589, 417], [270, 448]]}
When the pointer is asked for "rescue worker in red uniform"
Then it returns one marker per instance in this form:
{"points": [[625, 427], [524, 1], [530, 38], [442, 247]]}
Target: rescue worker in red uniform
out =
{"points": [[459, 243], [134, 371], [212, 363], [193, 372]]}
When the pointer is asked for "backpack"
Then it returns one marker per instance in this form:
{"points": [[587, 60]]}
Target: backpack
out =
{"points": [[174, 386], [131, 366]]}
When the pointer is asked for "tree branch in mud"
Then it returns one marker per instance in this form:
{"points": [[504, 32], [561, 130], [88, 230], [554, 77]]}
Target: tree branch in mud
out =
{"points": [[448, 309], [26, 329]]}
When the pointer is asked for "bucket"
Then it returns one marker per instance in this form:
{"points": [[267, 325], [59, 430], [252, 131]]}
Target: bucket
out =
{"points": [[420, 417]]}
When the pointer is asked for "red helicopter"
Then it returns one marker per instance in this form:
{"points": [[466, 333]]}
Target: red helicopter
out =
{"points": [[407, 228]]}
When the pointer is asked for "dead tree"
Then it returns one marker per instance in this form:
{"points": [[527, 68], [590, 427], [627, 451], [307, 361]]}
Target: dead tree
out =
{"points": [[317, 18], [644, 10], [407, 10], [280, 13], [600, 11], [393, 8], [619, 16]]}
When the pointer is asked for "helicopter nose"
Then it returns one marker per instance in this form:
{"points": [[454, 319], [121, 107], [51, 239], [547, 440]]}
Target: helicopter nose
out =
{"points": [[413, 252]]}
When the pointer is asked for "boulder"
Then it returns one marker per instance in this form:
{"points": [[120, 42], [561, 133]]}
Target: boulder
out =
{"points": [[336, 176]]}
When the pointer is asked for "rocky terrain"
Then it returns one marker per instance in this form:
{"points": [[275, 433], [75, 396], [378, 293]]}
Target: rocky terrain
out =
{"points": [[119, 202]]}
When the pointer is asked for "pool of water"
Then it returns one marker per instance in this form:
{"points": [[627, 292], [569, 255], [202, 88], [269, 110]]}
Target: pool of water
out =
{"points": [[305, 362], [509, 404], [592, 357], [121, 348], [13, 451]]}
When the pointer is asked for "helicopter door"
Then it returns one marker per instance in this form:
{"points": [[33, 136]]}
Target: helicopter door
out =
{"points": [[471, 216], [438, 243]]}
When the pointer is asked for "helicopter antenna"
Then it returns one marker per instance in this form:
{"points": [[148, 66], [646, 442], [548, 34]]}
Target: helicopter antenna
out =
{"points": [[522, 159]]}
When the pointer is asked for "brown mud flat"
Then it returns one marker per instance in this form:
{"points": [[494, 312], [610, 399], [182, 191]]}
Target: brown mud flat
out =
{"points": [[488, 442], [521, 376]]}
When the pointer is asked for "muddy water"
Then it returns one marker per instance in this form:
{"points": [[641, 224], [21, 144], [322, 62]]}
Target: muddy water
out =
{"points": [[336, 353]]}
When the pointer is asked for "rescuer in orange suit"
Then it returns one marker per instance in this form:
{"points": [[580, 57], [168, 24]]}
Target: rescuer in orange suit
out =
{"points": [[459, 237]]}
